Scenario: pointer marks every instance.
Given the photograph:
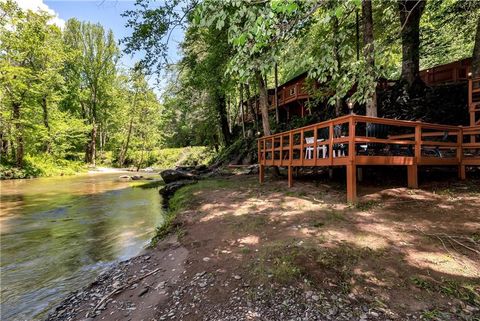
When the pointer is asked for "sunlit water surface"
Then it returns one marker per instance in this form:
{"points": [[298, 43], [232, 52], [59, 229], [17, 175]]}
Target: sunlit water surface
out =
{"points": [[58, 234]]}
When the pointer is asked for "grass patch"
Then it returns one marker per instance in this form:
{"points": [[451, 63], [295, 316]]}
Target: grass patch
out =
{"points": [[250, 223], [286, 263], [367, 206], [463, 291], [431, 314], [182, 199], [334, 216], [277, 263]]}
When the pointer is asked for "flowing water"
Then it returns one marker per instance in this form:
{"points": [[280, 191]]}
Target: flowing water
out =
{"points": [[58, 234]]}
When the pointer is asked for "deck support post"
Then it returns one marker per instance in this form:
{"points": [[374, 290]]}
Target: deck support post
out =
{"points": [[261, 174], [461, 172], [360, 174], [351, 183], [412, 172], [290, 176]]}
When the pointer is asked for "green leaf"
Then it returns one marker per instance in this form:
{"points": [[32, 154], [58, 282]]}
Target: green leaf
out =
{"points": [[339, 12]]}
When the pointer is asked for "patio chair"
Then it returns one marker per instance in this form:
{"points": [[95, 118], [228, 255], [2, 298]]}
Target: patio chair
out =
{"points": [[375, 131], [309, 149], [435, 151], [339, 150]]}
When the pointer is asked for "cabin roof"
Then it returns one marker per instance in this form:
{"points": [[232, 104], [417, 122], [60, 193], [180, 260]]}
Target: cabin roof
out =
{"points": [[292, 80]]}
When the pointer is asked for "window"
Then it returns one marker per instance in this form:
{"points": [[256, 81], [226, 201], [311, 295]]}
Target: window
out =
{"points": [[292, 91]]}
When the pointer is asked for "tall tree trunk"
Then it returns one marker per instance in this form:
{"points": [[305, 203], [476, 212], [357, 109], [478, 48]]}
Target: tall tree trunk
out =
{"points": [[277, 112], [263, 95], [476, 52], [19, 153], [91, 152], [45, 113], [410, 14], [124, 150], [250, 107], [357, 34], [242, 108], [46, 123], [336, 54], [4, 139], [369, 53], [221, 106]]}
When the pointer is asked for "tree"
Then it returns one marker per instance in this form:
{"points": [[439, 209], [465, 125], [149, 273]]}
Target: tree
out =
{"points": [[410, 13], [476, 52], [31, 61], [94, 56], [257, 32], [369, 53]]}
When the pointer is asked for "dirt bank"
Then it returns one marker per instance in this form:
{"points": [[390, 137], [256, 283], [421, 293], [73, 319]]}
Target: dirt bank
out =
{"points": [[241, 251]]}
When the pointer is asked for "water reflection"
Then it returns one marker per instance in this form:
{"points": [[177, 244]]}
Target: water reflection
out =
{"points": [[57, 234]]}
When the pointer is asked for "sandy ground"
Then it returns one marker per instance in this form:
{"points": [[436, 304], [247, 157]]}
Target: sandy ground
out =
{"points": [[243, 251]]}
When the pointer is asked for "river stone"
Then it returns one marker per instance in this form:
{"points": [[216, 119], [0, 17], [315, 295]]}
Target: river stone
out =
{"points": [[172, 175], [168, 190]]}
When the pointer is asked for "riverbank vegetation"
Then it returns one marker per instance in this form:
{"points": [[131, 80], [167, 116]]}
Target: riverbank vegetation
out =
{"points": [[67, 102]]}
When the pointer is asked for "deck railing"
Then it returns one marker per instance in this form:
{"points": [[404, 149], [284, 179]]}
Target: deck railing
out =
{"points": [[359, 140]]}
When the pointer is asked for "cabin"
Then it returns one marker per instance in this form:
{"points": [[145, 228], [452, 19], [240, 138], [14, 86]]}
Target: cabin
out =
{"points": [[354, 141], [293, 96], [454, 72]]}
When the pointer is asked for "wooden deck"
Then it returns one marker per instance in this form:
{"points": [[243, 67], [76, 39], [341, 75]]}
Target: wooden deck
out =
{"points": [[345, 141]]}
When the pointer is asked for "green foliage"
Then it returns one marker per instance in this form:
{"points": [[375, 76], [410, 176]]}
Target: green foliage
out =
{"points": [[42, 165], [448, 31], [238, 149], [188, 156]]}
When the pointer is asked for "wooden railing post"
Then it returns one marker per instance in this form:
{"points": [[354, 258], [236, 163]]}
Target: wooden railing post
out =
{"points": [[281, 149], [315, 145], [261, 167], [264, 151], [412, 170], [302, 152], [330, 143], [461, 167], [351, 139], [351, 166], [273, 150], [290, 150], [418, 143]]}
